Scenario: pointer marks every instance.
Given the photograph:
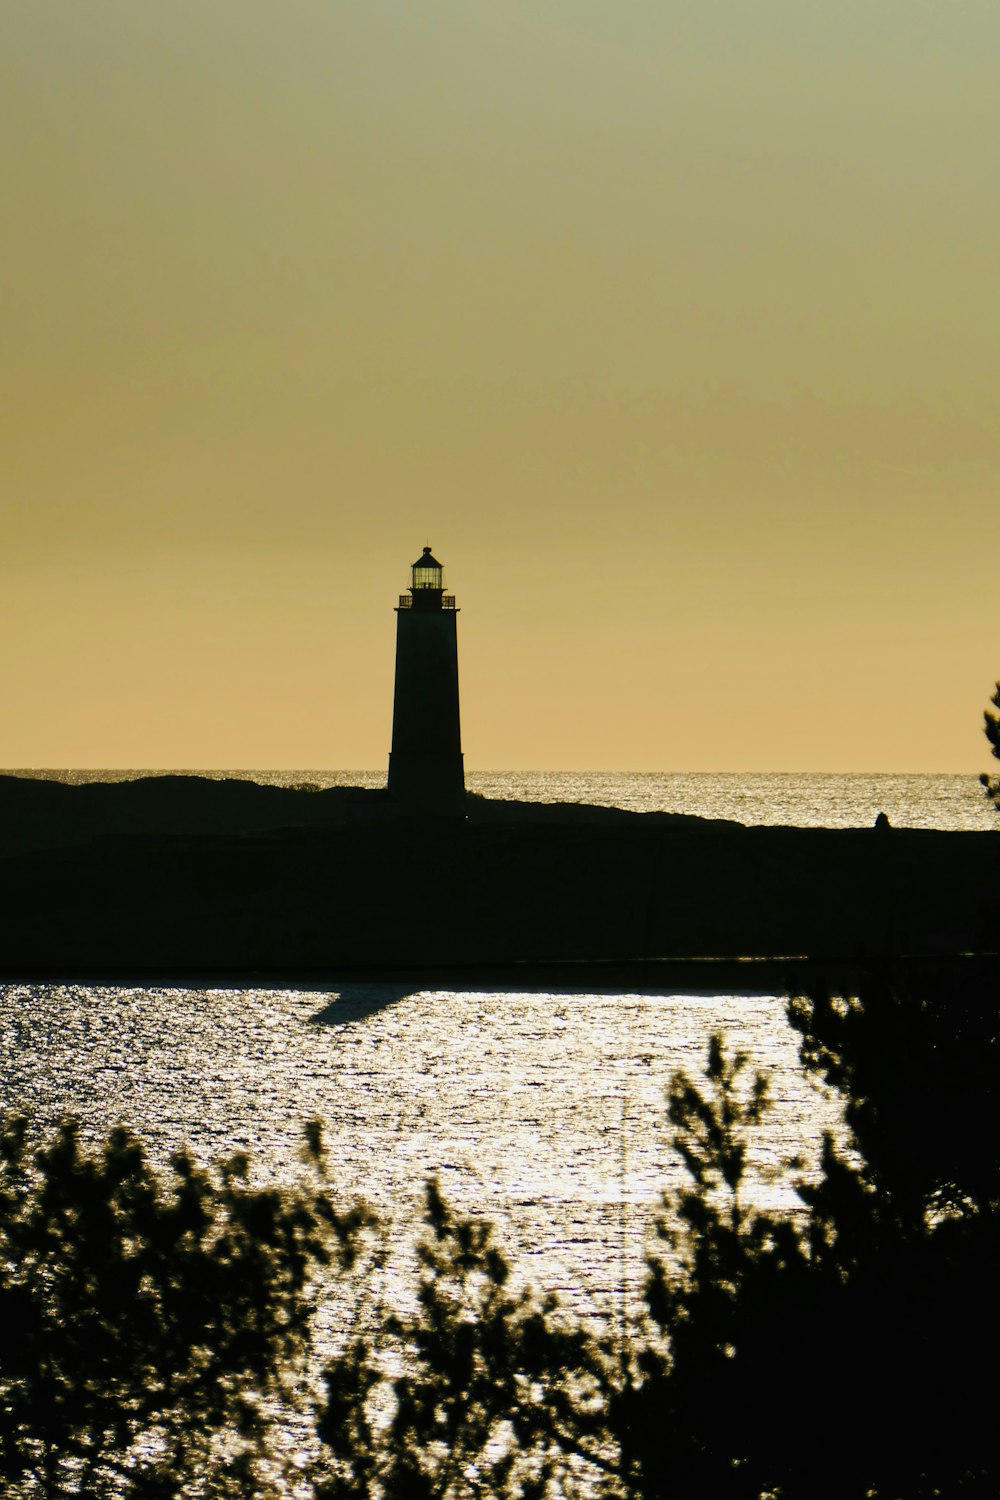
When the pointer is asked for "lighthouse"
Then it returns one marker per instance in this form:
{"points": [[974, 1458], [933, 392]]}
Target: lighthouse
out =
{"points": [[425, 763]]}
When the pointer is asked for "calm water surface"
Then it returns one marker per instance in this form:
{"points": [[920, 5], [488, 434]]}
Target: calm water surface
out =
{"points": [[543, 1111]]}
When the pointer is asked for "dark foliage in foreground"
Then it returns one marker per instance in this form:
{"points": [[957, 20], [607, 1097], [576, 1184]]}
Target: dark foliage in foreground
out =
{"points": [[149, 1323], [841, 1355], [500, 1394], [992, 729], [155, 1331]]}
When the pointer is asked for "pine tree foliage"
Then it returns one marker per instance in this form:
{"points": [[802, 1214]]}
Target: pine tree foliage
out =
{"points": [[697, 1410], [904, 1239], [484, 1389], [992, 730], [834, 1354], [151, 1325]]}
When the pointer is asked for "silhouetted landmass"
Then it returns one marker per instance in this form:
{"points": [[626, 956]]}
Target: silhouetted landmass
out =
{"points": [[181, 873], [40, 814]]}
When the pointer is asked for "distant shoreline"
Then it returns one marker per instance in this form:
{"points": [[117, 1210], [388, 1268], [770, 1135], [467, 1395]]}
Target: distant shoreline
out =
{"points": [[744, 978], [945, 801]]}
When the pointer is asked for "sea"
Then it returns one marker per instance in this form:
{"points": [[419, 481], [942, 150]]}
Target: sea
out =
{"points": [[542, 1110]]}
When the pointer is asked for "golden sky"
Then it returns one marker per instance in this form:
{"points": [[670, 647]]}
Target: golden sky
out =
{"points": [[672, 325]]}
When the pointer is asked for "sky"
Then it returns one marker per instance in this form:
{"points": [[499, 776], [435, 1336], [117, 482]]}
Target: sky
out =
{"points": [[672, 325]]}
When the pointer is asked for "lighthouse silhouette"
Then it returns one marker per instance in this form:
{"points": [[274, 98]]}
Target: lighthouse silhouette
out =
{"points": [[425, 763]]}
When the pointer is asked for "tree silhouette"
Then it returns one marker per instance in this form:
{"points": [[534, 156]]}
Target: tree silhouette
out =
{"points": [[151, 1325], [696, 1421], [835, 1353], [992, 731], [482, 1389]]}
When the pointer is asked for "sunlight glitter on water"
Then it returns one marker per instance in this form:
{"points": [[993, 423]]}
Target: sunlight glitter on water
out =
{"points": [[545, 1112]]}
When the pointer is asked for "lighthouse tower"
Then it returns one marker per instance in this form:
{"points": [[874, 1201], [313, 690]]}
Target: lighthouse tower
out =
{"points": [[425, 763]]}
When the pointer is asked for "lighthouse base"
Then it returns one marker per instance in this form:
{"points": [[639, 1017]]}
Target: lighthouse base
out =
{"points": [[423, 786]]}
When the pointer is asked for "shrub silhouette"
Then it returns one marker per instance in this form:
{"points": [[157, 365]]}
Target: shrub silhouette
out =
{"points": [[836, 1354], [150, 1324], [992, 731], [482, 1389]]}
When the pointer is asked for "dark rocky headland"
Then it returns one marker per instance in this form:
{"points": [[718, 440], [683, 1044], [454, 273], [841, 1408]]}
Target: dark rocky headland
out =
{"points": [[177, 875]]}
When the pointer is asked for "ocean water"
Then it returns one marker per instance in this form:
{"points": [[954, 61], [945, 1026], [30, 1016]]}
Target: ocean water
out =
{"points": [[542, 1110]]}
